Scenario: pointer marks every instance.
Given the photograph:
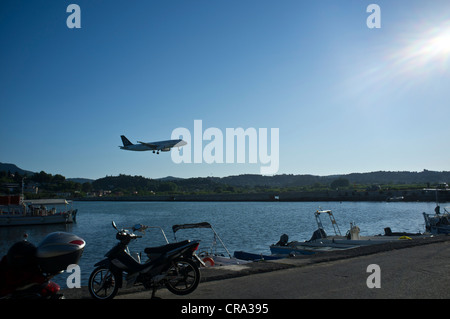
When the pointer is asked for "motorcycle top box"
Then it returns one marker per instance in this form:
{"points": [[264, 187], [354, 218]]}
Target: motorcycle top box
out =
{"points": [[58, 250]]}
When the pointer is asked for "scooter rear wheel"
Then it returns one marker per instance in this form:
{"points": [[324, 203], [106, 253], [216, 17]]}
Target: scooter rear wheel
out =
{"points": [[103, 283], [183, 277]]}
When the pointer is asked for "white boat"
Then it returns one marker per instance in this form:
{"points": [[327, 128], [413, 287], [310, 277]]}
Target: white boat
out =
{"points": [[395, 199], [213, 255], [15, 211]]}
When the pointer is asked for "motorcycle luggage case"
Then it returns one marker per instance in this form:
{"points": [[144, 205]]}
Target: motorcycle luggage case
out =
{"points": [[59, 250]]}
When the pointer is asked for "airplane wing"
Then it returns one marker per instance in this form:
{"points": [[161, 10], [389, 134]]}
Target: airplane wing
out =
{"points": [[164, 146], [152, 146]]}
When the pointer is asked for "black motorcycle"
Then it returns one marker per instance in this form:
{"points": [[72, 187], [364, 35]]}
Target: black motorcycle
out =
{"points": [[170, 265], [26, 270]]}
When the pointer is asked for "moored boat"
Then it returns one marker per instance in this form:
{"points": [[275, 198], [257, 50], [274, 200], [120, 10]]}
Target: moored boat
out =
{"points": [[320, 242], [438, 223], [15, 211], [214, 255]]}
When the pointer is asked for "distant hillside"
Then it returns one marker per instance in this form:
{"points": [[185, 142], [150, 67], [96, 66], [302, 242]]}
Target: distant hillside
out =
{"points": [[380, 177], [169, 178], [425, 176], [249, 180], [246, 183], [80, 180], [5, 167]]}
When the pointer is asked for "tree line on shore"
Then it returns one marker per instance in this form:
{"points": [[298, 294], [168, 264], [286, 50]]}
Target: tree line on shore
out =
{"points": [[42, 184]]}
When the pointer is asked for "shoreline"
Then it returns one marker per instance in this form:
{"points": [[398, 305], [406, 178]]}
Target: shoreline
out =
{"points": [[319, 196]]}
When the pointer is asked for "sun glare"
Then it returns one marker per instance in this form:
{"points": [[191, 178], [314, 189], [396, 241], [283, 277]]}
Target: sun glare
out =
{"points": [[440, 44], [412, 58], [430, 49]]}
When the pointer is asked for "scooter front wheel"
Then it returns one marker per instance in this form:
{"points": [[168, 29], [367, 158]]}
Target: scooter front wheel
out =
{"points": [[183, 277], [103, 283]]}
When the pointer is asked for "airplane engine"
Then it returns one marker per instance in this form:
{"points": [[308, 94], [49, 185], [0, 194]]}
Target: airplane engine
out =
{"points": [[165, 150]]}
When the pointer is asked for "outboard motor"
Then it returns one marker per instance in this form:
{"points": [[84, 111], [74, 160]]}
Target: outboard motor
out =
{"points": [[318, 234], [283, 240], [354, 232]]}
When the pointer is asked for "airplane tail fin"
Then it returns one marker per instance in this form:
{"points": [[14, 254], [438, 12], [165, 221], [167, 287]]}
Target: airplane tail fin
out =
{"points": [[125, 141]]}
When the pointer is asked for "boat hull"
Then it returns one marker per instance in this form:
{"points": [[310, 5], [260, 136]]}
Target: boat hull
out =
{"points": [[301, 250], [20, 220], [331, 244], [253, 257]]}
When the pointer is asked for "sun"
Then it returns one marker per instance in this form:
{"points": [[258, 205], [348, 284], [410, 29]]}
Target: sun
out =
{"points": [[416, 55], [440, 45], [425, 51]]}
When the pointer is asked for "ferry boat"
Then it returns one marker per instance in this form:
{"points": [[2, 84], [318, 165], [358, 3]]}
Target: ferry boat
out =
{"points": [[14, 211]]}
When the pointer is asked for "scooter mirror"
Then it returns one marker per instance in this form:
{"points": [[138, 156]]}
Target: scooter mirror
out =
{"points": [[114, 225]]}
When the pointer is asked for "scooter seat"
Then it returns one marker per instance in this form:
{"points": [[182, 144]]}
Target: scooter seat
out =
{"points": [[165, 248]]}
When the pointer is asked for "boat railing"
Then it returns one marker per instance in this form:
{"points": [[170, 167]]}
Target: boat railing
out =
{"points": [[332, 219], [175, 228], [143, 228], [161, 230]]}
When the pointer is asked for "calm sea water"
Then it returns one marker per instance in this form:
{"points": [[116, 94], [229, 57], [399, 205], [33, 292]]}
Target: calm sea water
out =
{"points": [[247, 226]]}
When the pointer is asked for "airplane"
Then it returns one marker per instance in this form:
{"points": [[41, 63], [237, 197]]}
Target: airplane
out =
{"points": [[156, 147]]}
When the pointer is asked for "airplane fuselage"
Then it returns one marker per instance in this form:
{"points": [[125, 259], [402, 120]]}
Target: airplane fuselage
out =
{"points": [[160, 146]]}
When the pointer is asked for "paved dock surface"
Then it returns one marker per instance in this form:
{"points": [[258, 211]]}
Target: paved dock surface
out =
{"points": [[407, 269]]}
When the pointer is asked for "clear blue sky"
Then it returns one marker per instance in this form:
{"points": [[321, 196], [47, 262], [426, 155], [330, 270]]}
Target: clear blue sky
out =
{"points": [[344, 97]]}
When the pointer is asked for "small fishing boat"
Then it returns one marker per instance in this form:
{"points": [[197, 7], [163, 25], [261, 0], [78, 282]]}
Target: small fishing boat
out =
{"points": [[14, 211], [438, 223], [395, 199], [213, 255], [320, 242]]}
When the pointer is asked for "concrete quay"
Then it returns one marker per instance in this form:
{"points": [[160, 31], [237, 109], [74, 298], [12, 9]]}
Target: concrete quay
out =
{"points": [[417, 268]]}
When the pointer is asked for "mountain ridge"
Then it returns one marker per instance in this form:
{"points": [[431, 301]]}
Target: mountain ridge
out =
{"points": [[286, 180]]}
